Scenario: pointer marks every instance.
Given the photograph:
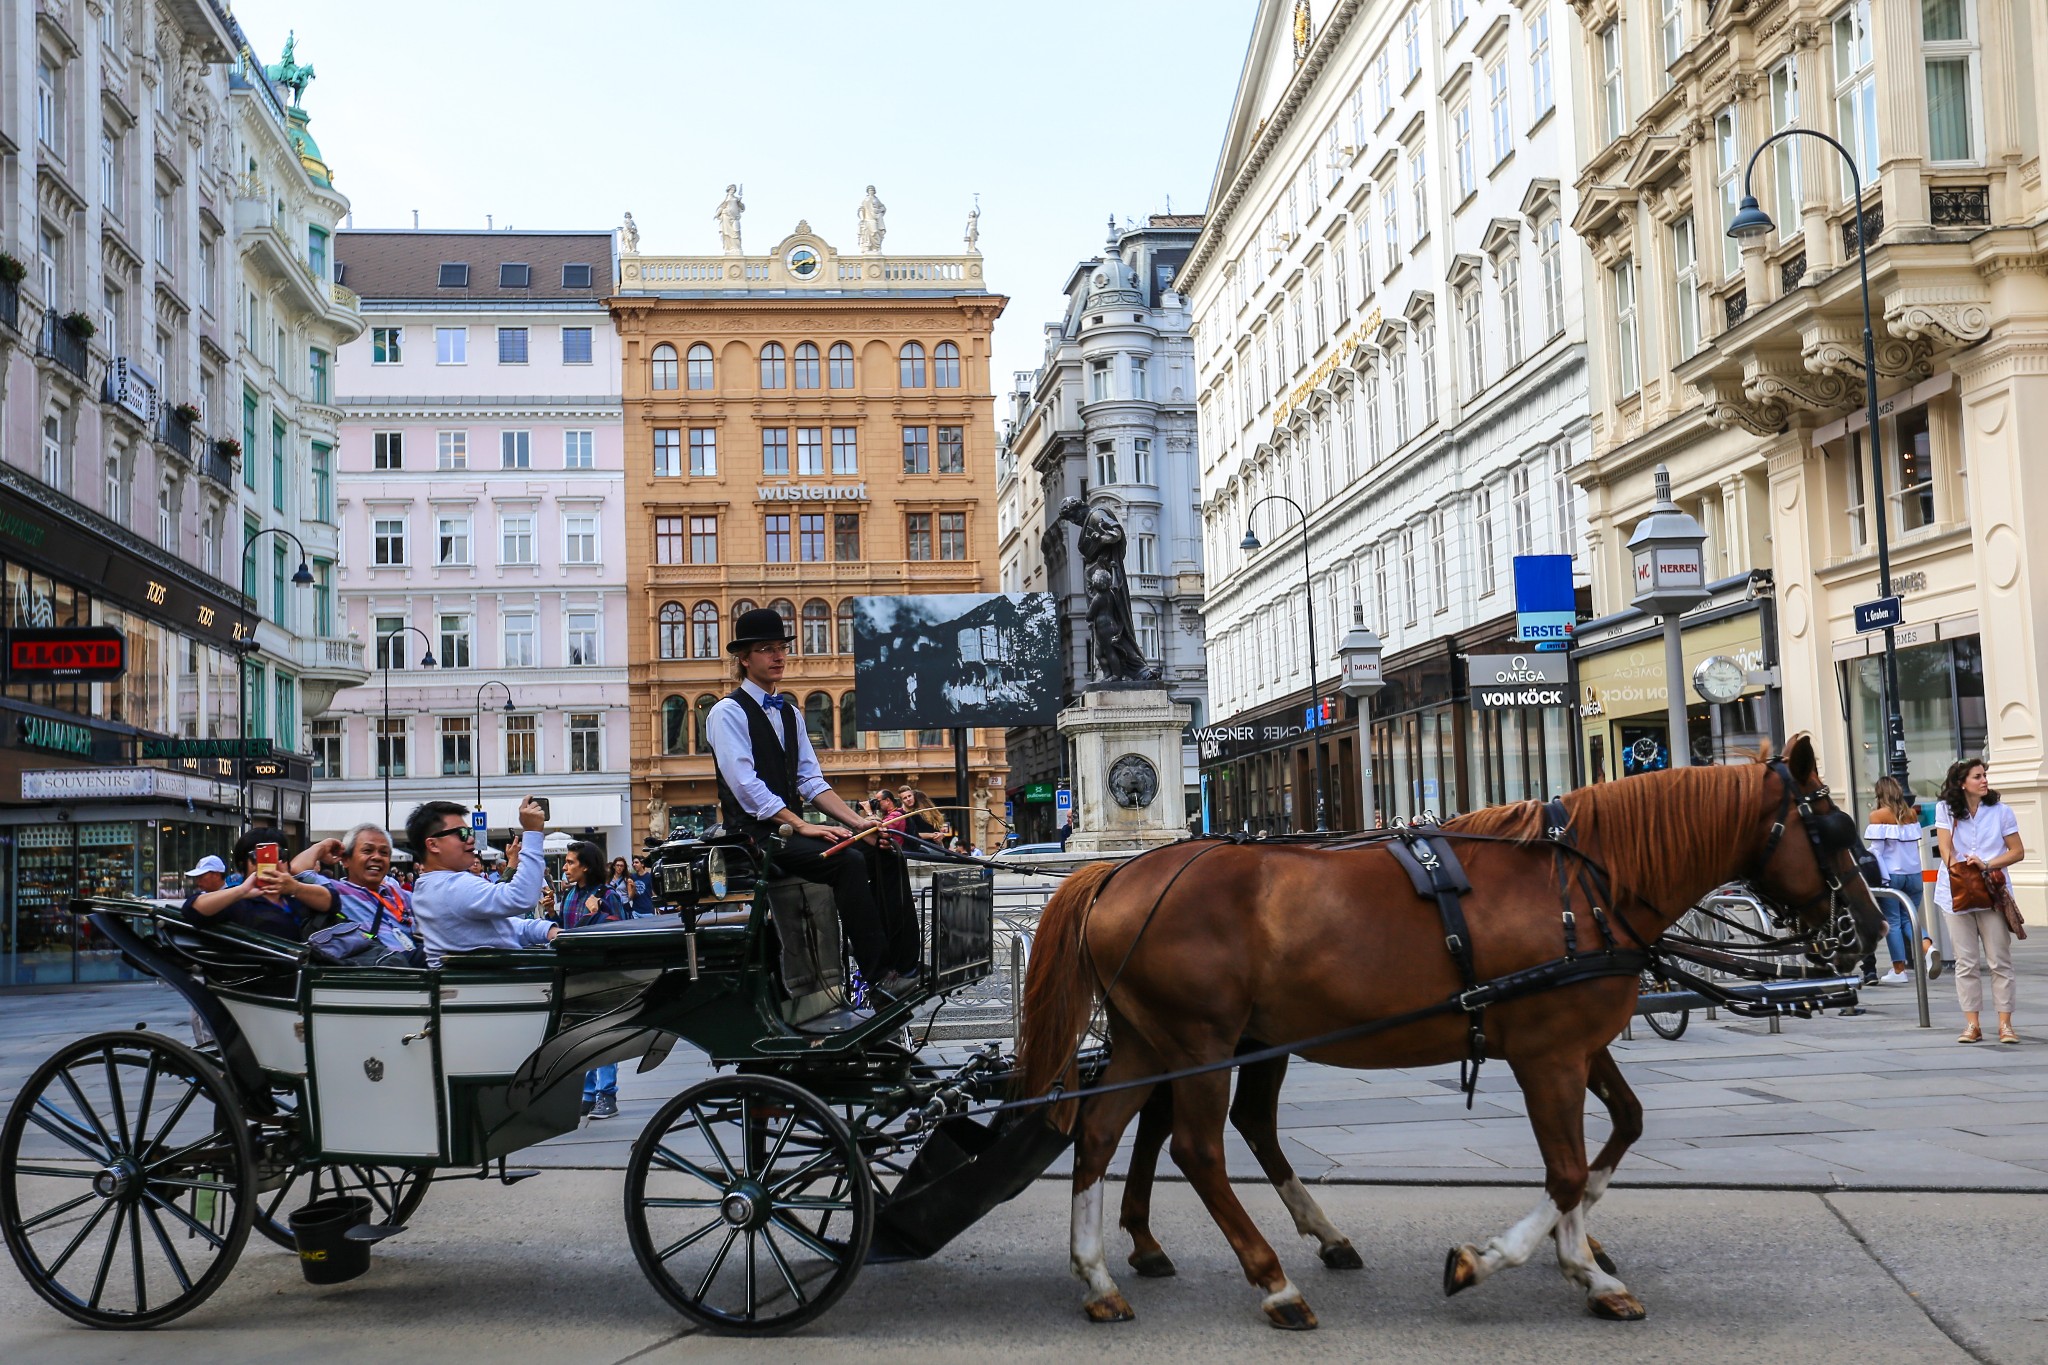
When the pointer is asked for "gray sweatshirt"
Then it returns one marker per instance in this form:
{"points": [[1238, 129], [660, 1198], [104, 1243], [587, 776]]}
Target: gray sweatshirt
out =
{"points": [[458, 911]]}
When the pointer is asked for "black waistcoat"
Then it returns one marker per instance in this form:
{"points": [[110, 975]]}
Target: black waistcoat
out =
{"points": [[774, 763]]}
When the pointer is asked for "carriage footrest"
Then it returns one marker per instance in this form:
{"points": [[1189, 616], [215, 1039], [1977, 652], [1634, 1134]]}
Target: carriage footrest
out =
{"points": [[963, 1170], [373, 1232], [506, 1177]]}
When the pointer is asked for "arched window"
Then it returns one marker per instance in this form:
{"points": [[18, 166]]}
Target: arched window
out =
{"points": [[675, 726], [702, 374], [818, 719], [704, 631], [807, 366], [774, 366], [786, 609], [664, 366], [946, 366], [846, 626], [841, 358], [705, 702], [911, 360], [672, 635], [849, 723], [742, 607], [817, 626]]}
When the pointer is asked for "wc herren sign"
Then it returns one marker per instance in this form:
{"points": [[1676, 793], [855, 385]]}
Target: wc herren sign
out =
{"points": [[1512, 682]]}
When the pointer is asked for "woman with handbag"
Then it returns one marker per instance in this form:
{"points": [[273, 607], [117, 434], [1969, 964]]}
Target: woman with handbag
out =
{"points": [[1893, 836], [1979, 838]]}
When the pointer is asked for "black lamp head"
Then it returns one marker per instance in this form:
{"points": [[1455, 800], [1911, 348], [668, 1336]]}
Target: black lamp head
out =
{"points": [[304, 577], [1749, 220], [1250, 541]]}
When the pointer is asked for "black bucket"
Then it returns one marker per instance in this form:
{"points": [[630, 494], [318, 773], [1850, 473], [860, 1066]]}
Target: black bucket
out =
{"points": [[326, 1255]]}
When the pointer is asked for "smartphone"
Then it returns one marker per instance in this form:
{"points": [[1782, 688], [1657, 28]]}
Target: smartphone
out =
{"points": [[546, 808], [266, 857]]}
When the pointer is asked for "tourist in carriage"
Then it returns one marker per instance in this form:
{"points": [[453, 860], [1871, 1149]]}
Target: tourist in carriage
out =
{"points": [[365, 892], [767, 771], [457, 912], [269, 898]]}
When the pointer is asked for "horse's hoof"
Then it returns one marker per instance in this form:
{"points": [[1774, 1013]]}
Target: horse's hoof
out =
{"points": [[1600, 1256], [1622, 1307], [1291, 1315], [1110, 1308], [1461, 1269], [1152, 1265], [1342, 1256]]}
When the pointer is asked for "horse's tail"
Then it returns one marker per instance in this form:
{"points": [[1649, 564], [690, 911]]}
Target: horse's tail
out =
{"points": [[1059, 989]]}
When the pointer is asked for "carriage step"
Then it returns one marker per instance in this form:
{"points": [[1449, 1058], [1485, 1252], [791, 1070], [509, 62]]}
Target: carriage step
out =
{"points": [[373, 1232], [506, 1177]]}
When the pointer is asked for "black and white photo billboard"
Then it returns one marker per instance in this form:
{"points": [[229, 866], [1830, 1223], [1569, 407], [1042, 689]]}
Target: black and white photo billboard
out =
{"points": [[936, 662]]}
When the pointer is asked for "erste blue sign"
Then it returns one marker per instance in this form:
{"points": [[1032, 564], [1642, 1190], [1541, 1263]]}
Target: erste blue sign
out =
{"points": [[1546, 607]]}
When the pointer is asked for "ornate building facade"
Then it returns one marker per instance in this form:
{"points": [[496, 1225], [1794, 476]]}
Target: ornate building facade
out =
{"points": [[1109, 417], [1389, 333], [1740, 366], [803, 428]]}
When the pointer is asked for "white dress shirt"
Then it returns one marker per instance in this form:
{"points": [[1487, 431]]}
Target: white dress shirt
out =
{"points": [[732, 747]]}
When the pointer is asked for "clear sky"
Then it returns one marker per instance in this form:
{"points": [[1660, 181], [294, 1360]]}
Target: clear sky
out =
{"points": [[1058, 113]]}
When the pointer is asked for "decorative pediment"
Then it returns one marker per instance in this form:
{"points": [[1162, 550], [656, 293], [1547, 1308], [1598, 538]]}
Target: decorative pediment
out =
{"points": [[1658, 158], [1467, 269], [1543, 197], [1390, 333], [1502, 235], [1421, 305], [1603, 209]]}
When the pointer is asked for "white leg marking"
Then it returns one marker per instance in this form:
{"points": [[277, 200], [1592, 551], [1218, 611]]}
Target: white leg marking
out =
{"points": [[1088, 1261], [1518, 1243], [1286, 1293], [1575, 1257], [1596, 1185], [1309, 1219]]}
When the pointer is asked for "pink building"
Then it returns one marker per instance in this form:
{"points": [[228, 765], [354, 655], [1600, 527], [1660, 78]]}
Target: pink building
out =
{"points": [[482, 522]]}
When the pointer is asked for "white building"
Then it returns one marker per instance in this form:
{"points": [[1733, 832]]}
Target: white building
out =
{"points": [[1109, 417], [1389, 331]]}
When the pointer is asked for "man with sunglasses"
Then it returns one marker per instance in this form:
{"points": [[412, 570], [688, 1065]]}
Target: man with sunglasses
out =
{"points": [[455, 909]]}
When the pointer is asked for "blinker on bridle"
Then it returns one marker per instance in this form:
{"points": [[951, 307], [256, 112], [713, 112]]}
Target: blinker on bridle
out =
{"points": [[1829, 831]]}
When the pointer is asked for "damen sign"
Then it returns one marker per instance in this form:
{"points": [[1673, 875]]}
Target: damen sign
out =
{"points": [[1512, 682]]}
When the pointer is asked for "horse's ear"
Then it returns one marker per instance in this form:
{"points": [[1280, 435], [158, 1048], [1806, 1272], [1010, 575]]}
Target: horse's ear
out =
{"points": [[1799, 759]]}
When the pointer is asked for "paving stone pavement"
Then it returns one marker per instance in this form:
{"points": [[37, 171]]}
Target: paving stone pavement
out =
{"points": [[1863, 1103]]}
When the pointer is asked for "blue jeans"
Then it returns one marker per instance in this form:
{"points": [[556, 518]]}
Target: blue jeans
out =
{"points": [[1898, 924], [603, 1080]]}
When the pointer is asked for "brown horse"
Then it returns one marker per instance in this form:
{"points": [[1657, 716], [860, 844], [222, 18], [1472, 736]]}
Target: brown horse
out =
{"points": [[1293, 942]]}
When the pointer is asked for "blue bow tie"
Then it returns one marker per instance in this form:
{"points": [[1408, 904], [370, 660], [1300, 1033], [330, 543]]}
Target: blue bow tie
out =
{"points": [[773, 701]]}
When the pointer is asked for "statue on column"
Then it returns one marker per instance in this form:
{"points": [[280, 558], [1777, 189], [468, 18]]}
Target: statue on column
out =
{"points": [[629, 237], [729, 210], [1102, 545], [871, 229], [974, 228]]}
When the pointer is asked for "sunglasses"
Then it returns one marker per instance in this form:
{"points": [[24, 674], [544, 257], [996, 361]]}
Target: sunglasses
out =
{"points": [[462, 832]]}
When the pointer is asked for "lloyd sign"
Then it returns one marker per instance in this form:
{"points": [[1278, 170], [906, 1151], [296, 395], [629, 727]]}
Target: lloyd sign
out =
{"points": [[1513, 682]]}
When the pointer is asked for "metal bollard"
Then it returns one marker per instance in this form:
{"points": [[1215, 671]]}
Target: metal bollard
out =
{"points": [[1016, 983]]}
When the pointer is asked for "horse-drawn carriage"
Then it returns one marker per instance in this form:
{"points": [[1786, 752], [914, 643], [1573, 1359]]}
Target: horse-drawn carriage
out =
{"points": [[134, 1166]]}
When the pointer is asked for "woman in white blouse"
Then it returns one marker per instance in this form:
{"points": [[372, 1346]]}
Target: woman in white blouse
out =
{"points": [[1893, 835], [1973, 826]]}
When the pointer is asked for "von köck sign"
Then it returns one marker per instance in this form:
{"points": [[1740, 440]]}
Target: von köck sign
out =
{"points": [[1514, 682]]}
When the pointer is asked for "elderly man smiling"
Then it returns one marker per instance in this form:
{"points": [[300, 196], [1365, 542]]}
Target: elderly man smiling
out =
{"points": [[365, 893]]}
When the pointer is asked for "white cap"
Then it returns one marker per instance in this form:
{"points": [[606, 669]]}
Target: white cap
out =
{"points": [[209, 863]]}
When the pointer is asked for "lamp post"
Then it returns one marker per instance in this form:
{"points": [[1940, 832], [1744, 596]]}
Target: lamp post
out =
{"points": [[245, 646], [1360, 653], [383, 739], [1751, 221], [1250, 545], [1670, 580], [476, 757]]}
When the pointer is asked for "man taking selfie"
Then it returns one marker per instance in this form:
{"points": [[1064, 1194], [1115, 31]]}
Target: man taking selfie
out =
{"points": [[455, 909]]}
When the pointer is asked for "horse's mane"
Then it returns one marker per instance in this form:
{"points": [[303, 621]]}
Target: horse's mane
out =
{"points": [[1651, 829]]}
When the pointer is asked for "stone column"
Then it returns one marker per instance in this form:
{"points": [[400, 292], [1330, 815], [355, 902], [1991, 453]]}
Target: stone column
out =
{"points": [[1798, 546], [1126, 774]]}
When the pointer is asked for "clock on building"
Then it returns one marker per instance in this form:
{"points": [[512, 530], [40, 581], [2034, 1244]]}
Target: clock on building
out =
{"points": [[1719, 678], [803, 262]]}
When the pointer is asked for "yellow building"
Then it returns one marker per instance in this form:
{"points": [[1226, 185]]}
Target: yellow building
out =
{"points": [[803, 428]]}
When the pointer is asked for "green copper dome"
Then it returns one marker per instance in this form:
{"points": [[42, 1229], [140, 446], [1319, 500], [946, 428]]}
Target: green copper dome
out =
{"points": [[308, 150]]}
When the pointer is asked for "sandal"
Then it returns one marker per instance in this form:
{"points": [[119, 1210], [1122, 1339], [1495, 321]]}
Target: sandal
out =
{"points": [[2006, 1035], [1972, 1034]]}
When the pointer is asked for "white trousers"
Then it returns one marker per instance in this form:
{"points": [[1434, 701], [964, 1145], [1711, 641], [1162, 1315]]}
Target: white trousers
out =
{"points": [[1982, 944]]}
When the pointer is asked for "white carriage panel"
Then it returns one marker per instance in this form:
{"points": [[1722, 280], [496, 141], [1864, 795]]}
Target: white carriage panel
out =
{"points": [[370, 999], [273, 1034], [509, 993], [489, 1043], [373, 1094]]}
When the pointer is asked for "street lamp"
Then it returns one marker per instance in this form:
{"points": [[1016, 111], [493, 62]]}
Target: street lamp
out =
{"points": [[1250, 545], [1670, 581], [1751, 221], [383, 739], [476, 755], [245, 645], [1360, 653]]}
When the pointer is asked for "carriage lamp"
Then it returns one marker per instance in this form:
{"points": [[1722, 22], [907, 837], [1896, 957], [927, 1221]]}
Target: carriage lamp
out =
{"points": [[1359, 655], [1670, 576]]}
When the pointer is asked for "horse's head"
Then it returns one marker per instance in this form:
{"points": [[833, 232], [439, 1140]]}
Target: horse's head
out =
{"points": [[1813, 861]]}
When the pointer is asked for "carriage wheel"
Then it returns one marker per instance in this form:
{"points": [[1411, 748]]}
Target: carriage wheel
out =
{"points": [[127, 1180], [749, 1205], [394, 1193], [1667, 1023]]}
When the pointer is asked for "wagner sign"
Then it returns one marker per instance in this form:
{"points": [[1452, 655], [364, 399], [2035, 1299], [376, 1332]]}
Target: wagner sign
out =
{"points": [[1513, 682]]}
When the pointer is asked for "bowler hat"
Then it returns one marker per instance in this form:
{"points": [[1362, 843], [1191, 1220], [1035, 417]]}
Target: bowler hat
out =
{"points": [[758, 627]]}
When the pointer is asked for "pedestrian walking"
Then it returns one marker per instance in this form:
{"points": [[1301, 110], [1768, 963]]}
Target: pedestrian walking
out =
{"points": [[1893, 835], [588, 898], [1979, 837], [643, 890]]}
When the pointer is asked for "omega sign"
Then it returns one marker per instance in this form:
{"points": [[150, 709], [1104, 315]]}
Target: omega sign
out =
{"points": [[811, 492], [1501, 682]]}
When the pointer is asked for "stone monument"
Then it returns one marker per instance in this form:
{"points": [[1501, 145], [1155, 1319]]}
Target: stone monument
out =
{"points": [[1125, 727]]}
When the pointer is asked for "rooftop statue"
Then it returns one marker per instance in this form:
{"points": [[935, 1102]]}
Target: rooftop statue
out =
{"points": [[729, 210], [288, 74], [629, 237], [871, 229]]}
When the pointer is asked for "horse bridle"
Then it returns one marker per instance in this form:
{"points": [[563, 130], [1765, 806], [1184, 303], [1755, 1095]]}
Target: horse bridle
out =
{"points": [[1840, 924]]}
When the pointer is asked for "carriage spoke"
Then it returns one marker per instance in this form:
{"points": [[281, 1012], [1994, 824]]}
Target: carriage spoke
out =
{"points": [[674, 1162], [135, 1258], [56, 1172], [179, 1156], [689, 1239], [72, 1134], [817, 1246], [750, 1274], [782, 1267], [680, 1203], [114, 1096], [163, 1240], [78, 1098], [99, 1281], [139, 1121], [47, 1214], [817, 1205], [187, 1219], [179, 1182], [803, 1172], [704, 1285], [717, 1147], [78, 1240], [775, 1153], [177, 1112]]}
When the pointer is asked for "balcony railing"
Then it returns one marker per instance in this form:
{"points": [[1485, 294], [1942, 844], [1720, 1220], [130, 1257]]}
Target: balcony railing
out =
{"points": [[63, 345], [217, 466], [327, 652], [177, 435], [884, 572]]}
